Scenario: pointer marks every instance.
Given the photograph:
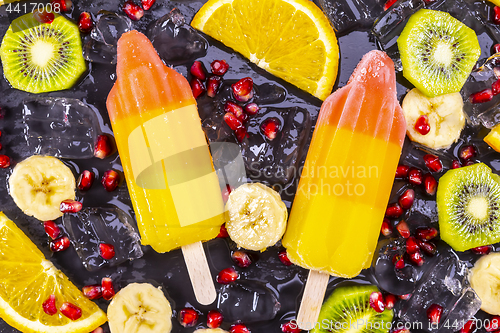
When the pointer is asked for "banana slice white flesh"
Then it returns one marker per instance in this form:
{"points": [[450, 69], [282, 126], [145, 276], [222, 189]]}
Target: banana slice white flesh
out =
{"points": [[255, 216], [445, 117], [485, 280], [39, 184], [140, 308], [210, 330]]}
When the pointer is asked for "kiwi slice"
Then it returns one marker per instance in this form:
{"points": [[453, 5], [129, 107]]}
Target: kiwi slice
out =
{"points": [[437, 52], [42, 57], [468, 201], [348, 310]]}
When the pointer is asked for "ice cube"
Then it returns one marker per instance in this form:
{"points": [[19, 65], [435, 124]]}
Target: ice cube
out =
{"points": [[247, 301], [269, 93], [98, 52], [175, 41], [61, 127], [92, 226], [109, 27]]}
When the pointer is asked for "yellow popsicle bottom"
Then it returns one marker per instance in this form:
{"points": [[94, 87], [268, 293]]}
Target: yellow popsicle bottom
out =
{"points": [[341, 200]]}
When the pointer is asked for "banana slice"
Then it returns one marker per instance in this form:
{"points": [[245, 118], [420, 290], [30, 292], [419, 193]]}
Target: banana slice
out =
{"points": [[39, 184], [140, 307], [255, 216], [485, 280], [445, 117], [210, 330]]}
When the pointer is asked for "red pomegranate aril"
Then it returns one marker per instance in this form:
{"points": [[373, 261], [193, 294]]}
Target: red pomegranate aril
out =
{"points": [[107, 251], [232, 121], [85, 23], [213, 85], [133, 11], [223, 232], [405, 297], [70, 206], [388, 4], [433, 163], [422, 125], [390, 301], [411, 245], [92, 291], [219, 67], [430, 184], [270, 127], [197, 87], [434, 313], [493, 324], [59, 244], [406, 199], [402, 171], [43, 16], [426, 233], [495, 87], [241, 258], [198, 71], [469, 162], [110, 180], [467, 152], [485, 249], [252, 109], [394, 211], [377, 301], [284, 258], [51, 229], [103, 147], [417, 258], [236, 110], [64, 5], [428, 248], [49, 306], [468, 326], [214, 319], [495, 16], [290, 327], [415, 176], [243, 89], [4, 161], [401, 330], [1, 146], [227, 275], [398, 261], [85, 180], [482, 96], [455, 164], [71, 311], [188, 317], [403, 229], [239, 328], [147, 4], [386, 228], [241, 133], [108, 290]]}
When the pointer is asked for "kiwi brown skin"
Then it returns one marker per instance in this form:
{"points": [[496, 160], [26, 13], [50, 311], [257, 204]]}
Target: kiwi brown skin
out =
{"points": [[468, 203], [42, 57]]}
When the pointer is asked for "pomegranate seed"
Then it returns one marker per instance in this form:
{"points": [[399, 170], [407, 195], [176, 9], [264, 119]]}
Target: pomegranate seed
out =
{"points": [[236, 110], [386, 228], [241, 133], [103, 147], [495, 17], [188, 317], [92, 291], [393, 210], [401, 330], [403, 229], [377, 301], [482, 249], [496, 48], [214, 319], [227, 275], [85, 23], [398, 261], [270, 127], [469, 162], [405, 297], [428, 248], [71, 311], [243, 89], [402, 171], [290, 327], [467, 152], [493, 324], [241, 258], [284, 258], [223, 232], [468, 326], [232, 121], [64, 5], [85, 180], [108, 291], [252, 109], [417, 258], [133, 11], [213, 85], [482, 96], [388, 4], [197, 87], [406, 199], [239, 328], [455, 164], [110, 180], [51, 229], [4, 161], [198, 71], [70, 206], [107, 251], [146, 4], [434, 313], [411, 245], [390, 301], [430, 184], [433, 163], [415, 176], [426, 233], [60, 244], [1, 146], [226, 192], [219, 67], [43, 16], [495, 87], [49, 306], [422, 125]]}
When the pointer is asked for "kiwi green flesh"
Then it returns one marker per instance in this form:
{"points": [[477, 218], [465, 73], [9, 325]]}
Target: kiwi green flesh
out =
{"points": [[42, 57], [348, 310], [437, 52], [468, 203]]}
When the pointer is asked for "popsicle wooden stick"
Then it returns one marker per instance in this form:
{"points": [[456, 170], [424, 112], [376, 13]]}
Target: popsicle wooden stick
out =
{"points": [[199, 273], [314, 293]]}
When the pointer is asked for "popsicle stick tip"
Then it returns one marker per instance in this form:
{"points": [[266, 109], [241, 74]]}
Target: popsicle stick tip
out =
{"points": [[314, 293], [199, 273]]}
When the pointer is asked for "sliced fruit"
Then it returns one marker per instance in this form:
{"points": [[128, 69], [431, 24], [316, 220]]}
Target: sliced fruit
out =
{"points": [[42, 57], [28, 280], [39, 184], [255, 216], [493, 138], [351, 305], [468, 201], [445, 118], [210, 330], [140, 307], [484, 279], [291, 39], [437, 52]]}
